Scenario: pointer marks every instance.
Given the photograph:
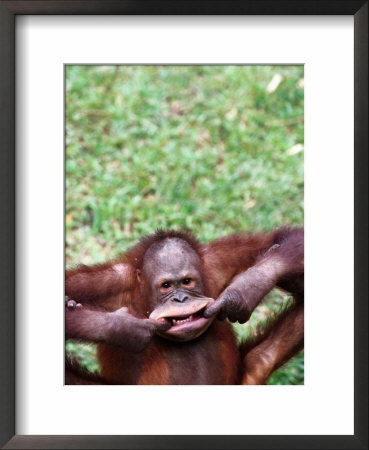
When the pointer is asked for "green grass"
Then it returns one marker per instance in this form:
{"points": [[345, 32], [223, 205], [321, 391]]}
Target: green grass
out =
{"points": [[203, 147]]}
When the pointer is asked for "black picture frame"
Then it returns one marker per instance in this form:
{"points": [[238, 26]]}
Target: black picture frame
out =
{"points": [[8, 12]]}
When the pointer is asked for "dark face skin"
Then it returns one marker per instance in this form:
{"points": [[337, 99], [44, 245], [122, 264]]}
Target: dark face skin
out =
{"points": [[172, 270]]}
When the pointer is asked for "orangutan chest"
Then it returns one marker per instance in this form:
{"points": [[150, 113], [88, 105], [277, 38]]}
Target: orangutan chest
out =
{"points": [[207, 360]]}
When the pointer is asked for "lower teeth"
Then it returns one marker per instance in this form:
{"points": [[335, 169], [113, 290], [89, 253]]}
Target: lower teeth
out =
{"points": [[176, 322]]}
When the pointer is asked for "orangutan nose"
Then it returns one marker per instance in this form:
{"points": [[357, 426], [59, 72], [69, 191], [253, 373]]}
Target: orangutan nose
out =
{"points": [[180, 297]]}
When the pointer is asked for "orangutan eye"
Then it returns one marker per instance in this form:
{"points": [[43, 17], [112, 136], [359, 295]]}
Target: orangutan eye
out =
{"points": [[165, 285], [186, 281]]}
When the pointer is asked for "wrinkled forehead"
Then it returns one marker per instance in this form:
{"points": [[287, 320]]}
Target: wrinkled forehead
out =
{"points": [[171, 256]]}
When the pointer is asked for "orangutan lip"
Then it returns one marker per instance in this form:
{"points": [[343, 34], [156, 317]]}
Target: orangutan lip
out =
{"points": [[187, 327]]}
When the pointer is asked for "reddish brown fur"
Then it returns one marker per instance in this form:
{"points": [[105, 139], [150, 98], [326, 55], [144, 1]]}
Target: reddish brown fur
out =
{"points": [[212, 358], [278, 343]]}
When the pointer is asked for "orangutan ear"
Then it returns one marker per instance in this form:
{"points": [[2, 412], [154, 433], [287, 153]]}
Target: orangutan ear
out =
{"points": [[139, 275]]}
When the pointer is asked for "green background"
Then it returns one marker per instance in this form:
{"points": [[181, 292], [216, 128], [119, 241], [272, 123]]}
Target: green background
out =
{"points": [[216, 149]]}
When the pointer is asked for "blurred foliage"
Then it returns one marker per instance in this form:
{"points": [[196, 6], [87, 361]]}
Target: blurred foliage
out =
{"points": [[217, 149]]}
